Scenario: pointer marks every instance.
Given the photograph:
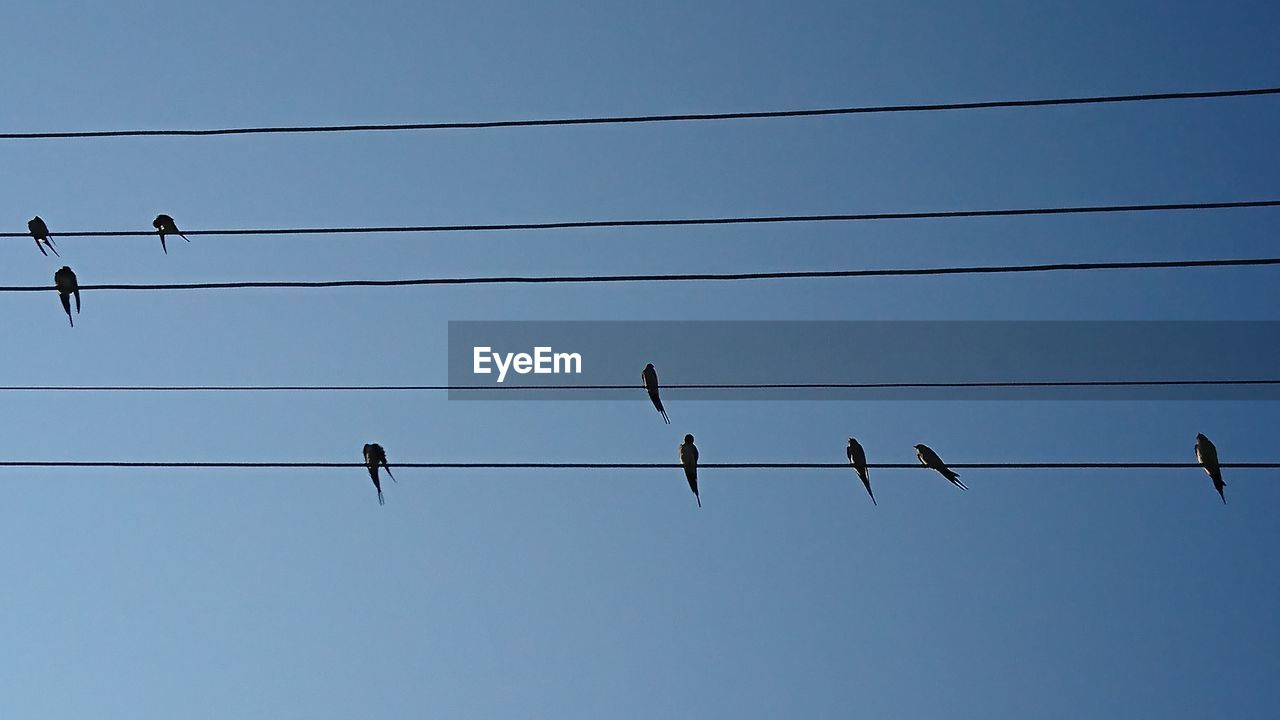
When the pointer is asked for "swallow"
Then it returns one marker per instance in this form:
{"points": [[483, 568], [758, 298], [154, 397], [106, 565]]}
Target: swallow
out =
{"points": [[689, 459], [930, 459], [165, 224], [650, 377], [65, 281], [374, 456], [858, 459], [1207, 456], [40, 232]]}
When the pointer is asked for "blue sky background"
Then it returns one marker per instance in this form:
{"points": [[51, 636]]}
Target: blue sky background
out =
{"points": [[154, 594]]}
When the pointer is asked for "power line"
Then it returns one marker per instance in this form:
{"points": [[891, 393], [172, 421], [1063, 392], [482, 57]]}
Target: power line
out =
{"points": [[637, 386], [686, 277], [629, 466], [669, 222], [631, 119]]}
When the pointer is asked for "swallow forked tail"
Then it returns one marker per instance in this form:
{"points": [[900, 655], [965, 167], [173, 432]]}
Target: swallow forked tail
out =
{"points": [[657, 404], [954, 477], [866, 483], [388, 469]]}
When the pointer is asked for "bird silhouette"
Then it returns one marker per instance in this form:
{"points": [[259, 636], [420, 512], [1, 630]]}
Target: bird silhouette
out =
{"points": [[374, 456], [165, 224], [40, 232], [1207, 456], [65, 281], [858, 459], [930, 459], [650, 377], [689, 459]]}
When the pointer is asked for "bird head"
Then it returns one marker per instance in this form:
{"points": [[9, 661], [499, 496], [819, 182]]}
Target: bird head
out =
{"points": [[1200, 436], [918, 446], [688, 439]]}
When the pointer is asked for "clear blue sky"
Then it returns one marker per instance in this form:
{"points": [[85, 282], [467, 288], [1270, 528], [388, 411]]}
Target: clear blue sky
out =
{"points": [[156, 594]]}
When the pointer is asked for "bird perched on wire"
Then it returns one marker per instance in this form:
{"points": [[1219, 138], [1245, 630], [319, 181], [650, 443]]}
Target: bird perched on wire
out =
{"points": [[650, 377], [165, 224], [930, 459], [374, 456], [65, 281], [858, 459], [689, 459], [40, 232], [1207, 456]]}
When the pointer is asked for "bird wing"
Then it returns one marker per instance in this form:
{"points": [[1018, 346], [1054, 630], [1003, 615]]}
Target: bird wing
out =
{"points": [[933, 460], [926, 456]]}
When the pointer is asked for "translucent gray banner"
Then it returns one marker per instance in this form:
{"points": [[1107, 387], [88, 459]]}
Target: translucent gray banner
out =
{"points": [[867, 360]]}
